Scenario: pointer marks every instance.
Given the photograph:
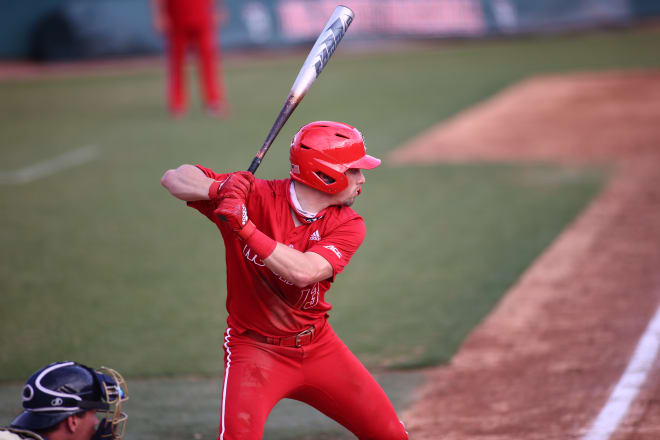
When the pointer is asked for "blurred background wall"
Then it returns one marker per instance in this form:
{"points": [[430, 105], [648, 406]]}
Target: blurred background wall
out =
{"points": [[48, 30]]}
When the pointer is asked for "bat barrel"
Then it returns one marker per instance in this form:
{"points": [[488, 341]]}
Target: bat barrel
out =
{"points": [[324, 47], [318, 57]]}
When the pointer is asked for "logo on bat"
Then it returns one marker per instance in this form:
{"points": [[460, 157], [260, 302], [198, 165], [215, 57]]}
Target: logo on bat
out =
{"points": [[336, 31]]}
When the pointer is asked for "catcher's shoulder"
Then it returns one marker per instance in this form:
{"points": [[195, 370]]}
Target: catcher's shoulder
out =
{"points": [[8, 433]]}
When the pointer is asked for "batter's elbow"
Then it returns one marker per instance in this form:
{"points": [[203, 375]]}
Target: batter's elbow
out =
{"points": [[300, 284], [167, 179], [303, 279]]}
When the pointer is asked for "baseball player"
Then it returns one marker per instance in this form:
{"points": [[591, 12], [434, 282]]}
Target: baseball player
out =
{"points": [[191, 23], [285, 243], [61, 401]]}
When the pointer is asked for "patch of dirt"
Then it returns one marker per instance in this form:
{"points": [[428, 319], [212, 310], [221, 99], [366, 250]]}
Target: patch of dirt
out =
{"points": [[544, 362]]}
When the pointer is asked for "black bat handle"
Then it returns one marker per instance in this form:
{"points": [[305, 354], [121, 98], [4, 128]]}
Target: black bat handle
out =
{"points": [[254, 165], [289, 106]]}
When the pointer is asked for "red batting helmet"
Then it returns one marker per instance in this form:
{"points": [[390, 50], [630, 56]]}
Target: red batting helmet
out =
{"points": [[322, 151]]}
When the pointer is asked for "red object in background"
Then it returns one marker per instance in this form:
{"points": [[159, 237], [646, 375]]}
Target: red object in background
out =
{"points": [[189, 13], [192, 24]]}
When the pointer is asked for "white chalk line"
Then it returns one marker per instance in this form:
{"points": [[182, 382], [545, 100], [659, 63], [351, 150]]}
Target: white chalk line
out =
{"points": [[51, 166], [629, 384]]}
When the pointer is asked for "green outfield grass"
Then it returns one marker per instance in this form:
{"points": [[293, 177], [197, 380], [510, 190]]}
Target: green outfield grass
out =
{"points": [[100, 265]]}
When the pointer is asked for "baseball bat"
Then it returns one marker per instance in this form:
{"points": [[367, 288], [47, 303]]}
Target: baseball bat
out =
{"points": [[318, 57]]}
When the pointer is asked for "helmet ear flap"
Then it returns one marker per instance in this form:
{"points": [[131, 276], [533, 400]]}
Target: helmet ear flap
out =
{"points": [[313, 171], [333, 179]]}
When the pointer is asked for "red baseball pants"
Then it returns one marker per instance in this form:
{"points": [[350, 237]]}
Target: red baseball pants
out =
{"points": [[180, 39], [324, 374]]}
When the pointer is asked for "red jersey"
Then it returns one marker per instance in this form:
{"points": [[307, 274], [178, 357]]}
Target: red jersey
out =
{"points": [[257, 298], [189, 13]]}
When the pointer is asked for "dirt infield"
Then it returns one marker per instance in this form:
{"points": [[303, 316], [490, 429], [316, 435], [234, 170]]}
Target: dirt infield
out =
{"points": [[544, 363]]}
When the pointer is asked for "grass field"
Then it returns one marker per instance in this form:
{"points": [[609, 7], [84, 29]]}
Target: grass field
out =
{"points": [[100, 265]]}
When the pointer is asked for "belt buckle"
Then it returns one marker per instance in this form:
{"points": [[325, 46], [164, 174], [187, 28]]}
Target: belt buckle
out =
{"points": [[309, 331]]}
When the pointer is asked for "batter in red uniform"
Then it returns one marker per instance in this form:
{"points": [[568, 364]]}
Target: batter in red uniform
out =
{"points": [[285, 243], [191, 23]]}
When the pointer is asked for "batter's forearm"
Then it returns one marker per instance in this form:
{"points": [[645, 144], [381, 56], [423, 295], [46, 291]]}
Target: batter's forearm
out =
{"points": [[301, 269], [187, 183]]}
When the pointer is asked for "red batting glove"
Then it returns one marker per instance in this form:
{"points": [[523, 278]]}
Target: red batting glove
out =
{"points": [[237, 185], [234, 211]]}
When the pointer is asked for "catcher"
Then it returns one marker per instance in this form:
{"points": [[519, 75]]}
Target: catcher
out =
{"points": [[64, 401], [285, 243]]}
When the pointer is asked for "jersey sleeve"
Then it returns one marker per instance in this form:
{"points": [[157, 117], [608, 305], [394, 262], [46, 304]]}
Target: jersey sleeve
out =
{"points": [[207, 207], [339, 246]]}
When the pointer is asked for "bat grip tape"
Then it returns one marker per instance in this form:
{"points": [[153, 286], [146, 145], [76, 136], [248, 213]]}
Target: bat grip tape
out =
{"points": [[254, 165]]}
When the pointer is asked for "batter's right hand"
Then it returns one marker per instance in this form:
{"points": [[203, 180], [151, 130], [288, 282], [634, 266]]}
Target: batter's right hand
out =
{"points": [[234, 211]]}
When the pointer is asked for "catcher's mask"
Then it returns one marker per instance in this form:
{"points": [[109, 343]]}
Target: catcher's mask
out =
{"points": [[62, 389], [322, 151]]}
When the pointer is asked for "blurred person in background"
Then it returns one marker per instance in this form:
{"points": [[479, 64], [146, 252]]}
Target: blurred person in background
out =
{"points": [[70, 401], [187, 23]]}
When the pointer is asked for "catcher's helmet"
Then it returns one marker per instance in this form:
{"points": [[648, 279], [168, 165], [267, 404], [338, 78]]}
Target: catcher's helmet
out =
{"points": [[62, 389], [322, 151]]}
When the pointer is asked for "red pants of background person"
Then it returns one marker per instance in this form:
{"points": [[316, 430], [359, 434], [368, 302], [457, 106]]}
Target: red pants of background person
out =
{"points": [[323, 374], [180, 39]]}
